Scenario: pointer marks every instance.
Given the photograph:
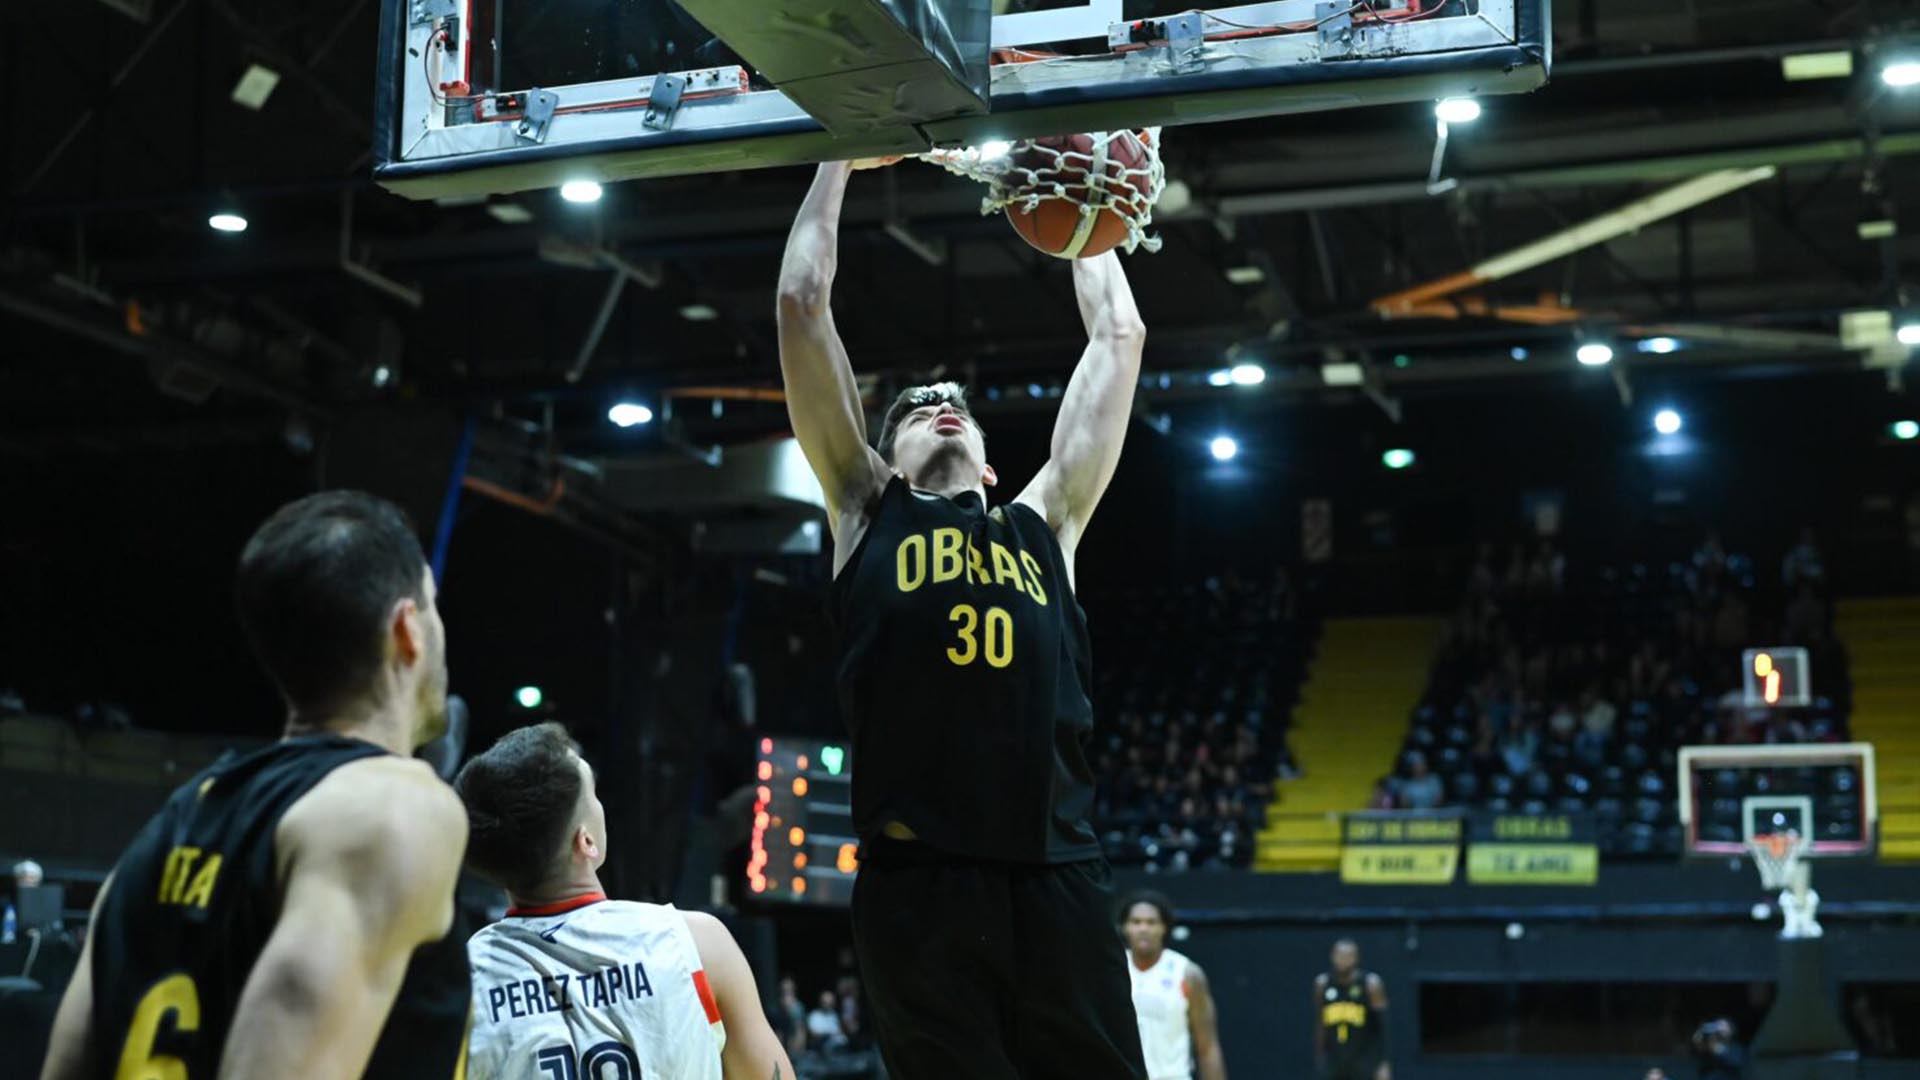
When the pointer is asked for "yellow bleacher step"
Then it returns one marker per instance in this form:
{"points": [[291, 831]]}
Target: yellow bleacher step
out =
{"points": [[1366, 674]]}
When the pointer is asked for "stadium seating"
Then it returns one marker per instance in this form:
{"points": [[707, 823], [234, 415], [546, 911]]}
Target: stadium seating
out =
{"points": [[1194, 690], [1573, 691]]}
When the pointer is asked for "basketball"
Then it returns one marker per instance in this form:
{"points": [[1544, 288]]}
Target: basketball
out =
{"points": [[1085, 222]]}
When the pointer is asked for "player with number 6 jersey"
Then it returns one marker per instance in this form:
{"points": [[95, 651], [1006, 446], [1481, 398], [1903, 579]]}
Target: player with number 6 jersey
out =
{"points": [[288, 913]]}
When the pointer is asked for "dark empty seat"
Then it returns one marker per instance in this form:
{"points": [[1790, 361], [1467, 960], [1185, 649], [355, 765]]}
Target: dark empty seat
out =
{"points": [[1500, 785], [1460, 735], [1608, 809], [1539, 784], [1534, 807], [1571, 804], [1576, 784], [1651, 783], [1720, 832], [1637, 839], [1613, 780], [1633, 757], [1647, 811], [1449, 760], [1499, 804]]}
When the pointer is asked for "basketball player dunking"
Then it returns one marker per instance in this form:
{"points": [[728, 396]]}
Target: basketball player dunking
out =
{"points": [[1350, 1018], [287, 913], [982, 914], [1170, 995], [624, 989]]}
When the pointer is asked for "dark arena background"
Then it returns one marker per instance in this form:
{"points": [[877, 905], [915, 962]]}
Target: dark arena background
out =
{"points": [[1412, 601]]}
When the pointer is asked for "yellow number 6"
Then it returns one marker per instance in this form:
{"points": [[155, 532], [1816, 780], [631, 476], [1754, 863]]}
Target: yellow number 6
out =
{"points": [[174, 994]]}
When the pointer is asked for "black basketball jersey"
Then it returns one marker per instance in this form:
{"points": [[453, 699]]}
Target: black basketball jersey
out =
{"points": [[964, 671], [1349, 1024], [191, 905]]}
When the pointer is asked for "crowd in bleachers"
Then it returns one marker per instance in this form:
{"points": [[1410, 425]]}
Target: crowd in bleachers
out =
{"points": [[1194, 686], [1566, 687]]}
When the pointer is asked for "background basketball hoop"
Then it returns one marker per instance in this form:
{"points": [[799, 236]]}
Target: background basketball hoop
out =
{"points": [[1776, 855]]}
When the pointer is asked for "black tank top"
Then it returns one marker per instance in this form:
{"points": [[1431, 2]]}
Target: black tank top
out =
{"points": [[964, 669], [1349, 1025], [192, 902]]}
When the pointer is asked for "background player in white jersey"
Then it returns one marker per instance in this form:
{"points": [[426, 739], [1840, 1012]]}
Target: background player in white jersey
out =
{"points": [[572, 985], [1178, 1029]]}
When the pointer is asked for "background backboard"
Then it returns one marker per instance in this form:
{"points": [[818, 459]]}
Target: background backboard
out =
{"points": [[1729, 794]]}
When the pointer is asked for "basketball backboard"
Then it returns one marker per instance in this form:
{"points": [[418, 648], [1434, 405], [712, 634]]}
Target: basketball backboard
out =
{"points": [[1730, 795], [488, 96]]}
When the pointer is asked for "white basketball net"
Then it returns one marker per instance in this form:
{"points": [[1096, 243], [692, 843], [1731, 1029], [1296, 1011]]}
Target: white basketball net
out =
{"points": [[1106, 185], [1776, 854]]}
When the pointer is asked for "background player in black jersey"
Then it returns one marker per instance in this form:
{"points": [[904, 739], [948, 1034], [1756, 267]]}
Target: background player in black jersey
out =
{"points": [[264, 922], [982, 910], [1350, 1019]]}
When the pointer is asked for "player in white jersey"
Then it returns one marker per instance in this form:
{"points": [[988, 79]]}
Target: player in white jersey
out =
{"points": [[572, 985], [1171, 998]]}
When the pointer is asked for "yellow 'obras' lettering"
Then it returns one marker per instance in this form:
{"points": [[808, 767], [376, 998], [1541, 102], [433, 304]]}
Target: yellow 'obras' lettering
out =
{"points": [[945, 554]]}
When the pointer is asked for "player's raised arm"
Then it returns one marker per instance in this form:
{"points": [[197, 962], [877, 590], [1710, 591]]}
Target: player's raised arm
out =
{"points": [[823, 400], [1092, 425], [368, 864], [753, 1051]]}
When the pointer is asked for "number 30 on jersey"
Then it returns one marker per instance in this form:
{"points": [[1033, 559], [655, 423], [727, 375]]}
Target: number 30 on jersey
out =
{"points": [[971, 633]]}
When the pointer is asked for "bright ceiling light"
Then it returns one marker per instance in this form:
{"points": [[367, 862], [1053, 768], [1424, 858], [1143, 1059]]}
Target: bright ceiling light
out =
{"points": [[629, 414], [1909, 333], [1519, 353], [509, 213], [1343, 374], [1247, 374], [529, 697], [581, 191], [1666, 422], [1660, 345], [228, 222], [1246, 275], [1801, 67], [1222, 377], [995, 148], [1397, 458], [255, 86], [1595, 354], [1457, 110], [1223, 448], [699, 313], [1906, 430], [1901, 74]]}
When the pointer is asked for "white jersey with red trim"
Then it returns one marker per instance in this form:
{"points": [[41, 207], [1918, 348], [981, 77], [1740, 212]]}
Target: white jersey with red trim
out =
{"points": [[593, 989], [1160, 1004]]}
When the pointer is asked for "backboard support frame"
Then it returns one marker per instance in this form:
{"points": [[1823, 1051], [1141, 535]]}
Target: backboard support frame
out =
{"points": [[1500, 46]]}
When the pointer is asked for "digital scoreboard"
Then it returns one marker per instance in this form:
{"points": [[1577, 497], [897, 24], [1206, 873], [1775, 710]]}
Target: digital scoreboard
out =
{"points": [[1776, 677], [803, 848]]}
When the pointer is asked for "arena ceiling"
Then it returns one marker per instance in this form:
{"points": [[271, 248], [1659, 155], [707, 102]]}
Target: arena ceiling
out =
{"points": [[130, 324]]}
